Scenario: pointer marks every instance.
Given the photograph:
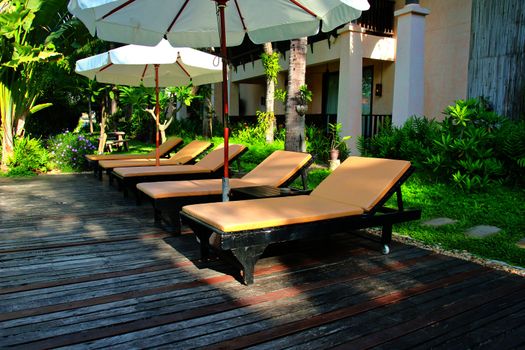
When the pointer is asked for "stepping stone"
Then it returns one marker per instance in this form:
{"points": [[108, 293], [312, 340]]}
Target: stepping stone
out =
{"points": [[439, 222], [482, 231], [521, 243]]}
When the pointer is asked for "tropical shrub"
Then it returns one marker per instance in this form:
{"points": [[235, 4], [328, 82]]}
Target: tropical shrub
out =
{"points": [[412, 141], [317, 143], [68, 150], [28, 158], [472, 147], [510, 147], [250, 134], [465, 150]]}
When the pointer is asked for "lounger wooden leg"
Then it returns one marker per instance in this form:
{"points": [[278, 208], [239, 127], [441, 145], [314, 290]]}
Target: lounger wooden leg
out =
{"points": [[204, 237], [386, 238], [157, 217], [247, 257], [175, 222]]}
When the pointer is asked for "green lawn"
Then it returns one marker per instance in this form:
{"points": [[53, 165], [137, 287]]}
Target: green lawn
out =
{"points": [[500, 206]]}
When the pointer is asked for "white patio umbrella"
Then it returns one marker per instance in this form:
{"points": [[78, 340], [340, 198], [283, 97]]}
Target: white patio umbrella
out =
{"points": [[205, 23], [161, 65]]}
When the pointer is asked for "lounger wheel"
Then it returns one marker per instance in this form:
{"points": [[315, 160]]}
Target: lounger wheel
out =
{"points": [[385, 249]]}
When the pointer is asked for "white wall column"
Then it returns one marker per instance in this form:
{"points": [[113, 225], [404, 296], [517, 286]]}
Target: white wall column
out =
{"points": [[410, 63], [350, 83]]}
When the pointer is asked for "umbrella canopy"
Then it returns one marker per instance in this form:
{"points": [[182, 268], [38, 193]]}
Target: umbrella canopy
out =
{"points": [[194, 23], [134, 65], [204, 23], [161, 65]]}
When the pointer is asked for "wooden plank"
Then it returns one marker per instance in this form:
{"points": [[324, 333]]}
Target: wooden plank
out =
{"points": [[164, 319], [495, 329], [379, 338], [253, 326], [335, 333]]}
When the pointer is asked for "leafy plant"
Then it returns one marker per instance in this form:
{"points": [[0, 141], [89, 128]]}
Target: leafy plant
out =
{"points": [[24, 46], [271, 65], [413, 141], [280, 95], [334, 129], [317, 143], [305, 95], [28, 158], [250, 134], [510, 147], [465, 151]]}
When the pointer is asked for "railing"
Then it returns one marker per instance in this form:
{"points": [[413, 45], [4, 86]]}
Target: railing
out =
{"points": [[379, 19], [372, 123]]}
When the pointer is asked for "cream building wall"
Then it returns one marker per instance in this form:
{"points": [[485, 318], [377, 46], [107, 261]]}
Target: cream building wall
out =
{"points": [[447, 48]]}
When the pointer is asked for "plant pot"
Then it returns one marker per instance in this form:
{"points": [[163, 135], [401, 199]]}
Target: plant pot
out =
{"points": [[301, 109], [334, 154]]}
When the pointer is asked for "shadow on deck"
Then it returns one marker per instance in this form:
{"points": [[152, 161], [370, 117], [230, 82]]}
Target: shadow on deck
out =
{"points": [[81, 266]]}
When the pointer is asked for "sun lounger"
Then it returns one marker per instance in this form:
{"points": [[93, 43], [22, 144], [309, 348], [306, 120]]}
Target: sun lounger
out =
{"points": [[164, 149], [352, 197], [278, 170], [186, 155], [210, 166]]}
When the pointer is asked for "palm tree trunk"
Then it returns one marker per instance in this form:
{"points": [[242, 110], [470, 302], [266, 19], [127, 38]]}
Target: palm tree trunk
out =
{"points": [[295, 138], [270, 99]]}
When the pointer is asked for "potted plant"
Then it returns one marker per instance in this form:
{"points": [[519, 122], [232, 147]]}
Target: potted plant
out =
{"points": [[304, 96], [334, 130]]}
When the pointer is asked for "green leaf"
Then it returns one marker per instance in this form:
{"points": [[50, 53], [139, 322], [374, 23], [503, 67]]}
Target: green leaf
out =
{"points": [[39, 107]]}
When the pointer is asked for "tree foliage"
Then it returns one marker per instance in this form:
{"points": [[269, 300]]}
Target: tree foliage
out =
{"points": [[24, 30]]}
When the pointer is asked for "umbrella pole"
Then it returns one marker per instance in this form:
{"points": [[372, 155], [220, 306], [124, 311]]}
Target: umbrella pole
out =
{"points": [[157, 116], [224, 54]]}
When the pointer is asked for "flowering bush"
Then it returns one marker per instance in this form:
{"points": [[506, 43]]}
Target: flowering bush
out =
{"points": [[67, 151]]}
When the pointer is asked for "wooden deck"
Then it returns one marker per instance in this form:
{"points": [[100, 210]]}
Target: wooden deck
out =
{"points": [[83, 267]]}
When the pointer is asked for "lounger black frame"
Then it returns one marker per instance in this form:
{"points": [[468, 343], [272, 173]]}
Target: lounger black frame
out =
{"points": [[174, 204], [247, 246], [124, 184]]}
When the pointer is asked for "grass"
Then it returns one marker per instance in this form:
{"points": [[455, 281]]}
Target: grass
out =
{"points": [[500, 206]]}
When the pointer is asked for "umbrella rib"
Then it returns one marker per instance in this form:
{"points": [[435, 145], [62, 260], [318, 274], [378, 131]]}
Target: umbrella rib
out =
{"points": [[177, 16], [118, 8], [183, 69], [240, 15], [105, 67], [144, 72], [304, 8]]}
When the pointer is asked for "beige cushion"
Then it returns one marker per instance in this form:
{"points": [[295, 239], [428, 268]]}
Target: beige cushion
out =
{"points": [[210, 163], [361, 181], [160, 170], [215, 159], [277, 168], [164, 148], [101, 157], [172, 189], [269, 212], [273, 171], [187, 153]]}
